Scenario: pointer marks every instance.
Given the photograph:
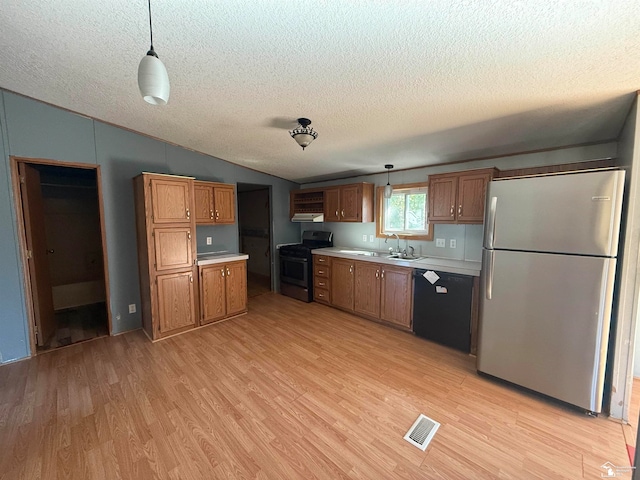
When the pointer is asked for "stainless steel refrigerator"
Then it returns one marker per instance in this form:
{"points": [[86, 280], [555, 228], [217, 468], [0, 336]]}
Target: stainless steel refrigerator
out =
{"points": [[548, 268]]}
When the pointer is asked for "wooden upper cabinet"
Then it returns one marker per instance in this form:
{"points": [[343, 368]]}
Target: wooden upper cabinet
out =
{"points": [[332, 205], [203, 204], [224, 204], [171, 199], [215, 203], [395, 295], [342, 203], [176, 302], [442, 199], [342, 283], [367, 289], [459, 197], [173, 248]]}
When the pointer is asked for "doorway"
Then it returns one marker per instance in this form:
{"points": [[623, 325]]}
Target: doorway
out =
{"points": [[254, 224], [60, 215]]}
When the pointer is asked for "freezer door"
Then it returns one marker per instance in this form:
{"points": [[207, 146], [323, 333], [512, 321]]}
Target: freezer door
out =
{"points": [[572, 213], [544, 323]]}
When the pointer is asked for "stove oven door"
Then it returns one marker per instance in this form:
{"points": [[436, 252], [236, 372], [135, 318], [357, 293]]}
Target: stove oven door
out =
{"points": [[294, 270]]}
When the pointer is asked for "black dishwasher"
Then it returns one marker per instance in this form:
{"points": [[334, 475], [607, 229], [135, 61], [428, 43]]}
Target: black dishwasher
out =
{"points": [[442, 307]]}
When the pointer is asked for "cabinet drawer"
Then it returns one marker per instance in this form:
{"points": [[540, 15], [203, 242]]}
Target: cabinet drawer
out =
{"points": [[321, 295], [321, 259], [320, 282], [321, 271]]}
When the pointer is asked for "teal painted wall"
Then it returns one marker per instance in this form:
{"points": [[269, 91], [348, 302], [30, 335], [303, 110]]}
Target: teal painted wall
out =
{"points": [[33, 129]]}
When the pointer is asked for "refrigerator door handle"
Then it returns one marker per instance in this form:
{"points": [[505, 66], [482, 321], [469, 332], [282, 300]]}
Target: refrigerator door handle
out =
{"points": [[490, 229], [488, 273]]}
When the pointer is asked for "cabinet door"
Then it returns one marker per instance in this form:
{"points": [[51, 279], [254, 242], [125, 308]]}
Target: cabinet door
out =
{"points": [[224, 204], [367, 289], [342, 283], [204, 204], [236, 287], [332, 205], [172, 248], [176, 309], [212, 293], [171, 200], [471, 197], [442, 199], [351, 203], [395, 295]]}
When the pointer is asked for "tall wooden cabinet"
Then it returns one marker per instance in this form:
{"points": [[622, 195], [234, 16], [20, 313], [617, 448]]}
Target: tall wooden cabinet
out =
{"points": [[215, 203], [166, 253], [458, 197]]}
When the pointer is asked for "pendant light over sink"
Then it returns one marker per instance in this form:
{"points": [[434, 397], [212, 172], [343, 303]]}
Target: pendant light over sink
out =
{"points": [[388, 189], [153, 80]]}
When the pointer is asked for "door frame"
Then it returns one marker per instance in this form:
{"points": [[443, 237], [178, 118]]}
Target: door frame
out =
{"points": [[22, 242]]}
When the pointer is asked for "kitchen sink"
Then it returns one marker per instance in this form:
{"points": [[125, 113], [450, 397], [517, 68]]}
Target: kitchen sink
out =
{"points": [[360, 252], [408, 258]]}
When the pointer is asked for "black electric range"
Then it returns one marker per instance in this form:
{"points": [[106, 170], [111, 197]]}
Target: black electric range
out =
{"points": [[296, 264]]}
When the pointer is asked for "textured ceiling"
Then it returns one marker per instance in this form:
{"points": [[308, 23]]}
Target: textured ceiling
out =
{"points": [[405, 82]]}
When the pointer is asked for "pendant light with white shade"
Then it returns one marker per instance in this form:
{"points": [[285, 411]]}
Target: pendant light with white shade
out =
{"points": [[388, 189], [153, 79]]}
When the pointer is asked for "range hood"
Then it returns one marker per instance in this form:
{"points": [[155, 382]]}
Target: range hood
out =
{"points": [[308, 217]]}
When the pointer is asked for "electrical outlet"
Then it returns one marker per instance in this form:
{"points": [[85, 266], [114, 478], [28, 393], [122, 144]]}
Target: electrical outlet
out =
{"points": [[364, 237], [132, 308], [440, 242], [209, 240], [371, 238], [452, 243]]}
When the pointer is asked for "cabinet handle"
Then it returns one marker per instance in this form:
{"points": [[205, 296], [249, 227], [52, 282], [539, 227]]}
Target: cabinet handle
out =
{"points": [[217, 214], [228, 272], [350, 268], [320, 260], [222, 271], [321, 284], [459, 210], [211, 214], [382, 274], [189, 235], [188, 213], [342, 213], [451, 212], [320, 272], [377, 273], [191, 278], [321, 295]]}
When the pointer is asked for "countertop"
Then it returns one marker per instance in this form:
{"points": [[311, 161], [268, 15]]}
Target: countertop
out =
{"points": [[461, 267], [211, 258]]}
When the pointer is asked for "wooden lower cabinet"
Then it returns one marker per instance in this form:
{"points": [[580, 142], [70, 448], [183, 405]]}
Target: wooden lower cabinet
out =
{"points": [[176, 302], [396, 295], [342, 284], [322, 278], [373, 290], [223, 290]]}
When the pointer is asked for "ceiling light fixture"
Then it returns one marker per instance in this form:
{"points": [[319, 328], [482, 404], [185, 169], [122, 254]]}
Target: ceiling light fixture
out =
{"points": [[303, 133], [388, 189], [153, 79]]}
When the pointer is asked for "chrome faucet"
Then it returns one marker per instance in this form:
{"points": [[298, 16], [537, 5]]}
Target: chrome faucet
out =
{"points": [[397, 237]]}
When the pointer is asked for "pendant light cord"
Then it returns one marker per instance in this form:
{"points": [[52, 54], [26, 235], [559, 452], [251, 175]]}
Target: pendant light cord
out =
{"points": [[150, 27]]}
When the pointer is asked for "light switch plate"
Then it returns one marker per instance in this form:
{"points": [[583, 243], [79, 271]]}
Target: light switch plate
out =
{"points": [[440, 242], [452, 243], [364, 237], [132, 308], [209, 240]]}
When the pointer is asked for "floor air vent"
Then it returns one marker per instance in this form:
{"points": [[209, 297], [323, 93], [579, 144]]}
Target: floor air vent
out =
{"points": [[421, 432]]}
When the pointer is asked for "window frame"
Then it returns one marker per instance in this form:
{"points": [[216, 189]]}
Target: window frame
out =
{"points": [[380, 212]]}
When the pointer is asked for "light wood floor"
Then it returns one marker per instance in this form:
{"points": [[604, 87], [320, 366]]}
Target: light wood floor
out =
{"points": [[291, 391]]}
